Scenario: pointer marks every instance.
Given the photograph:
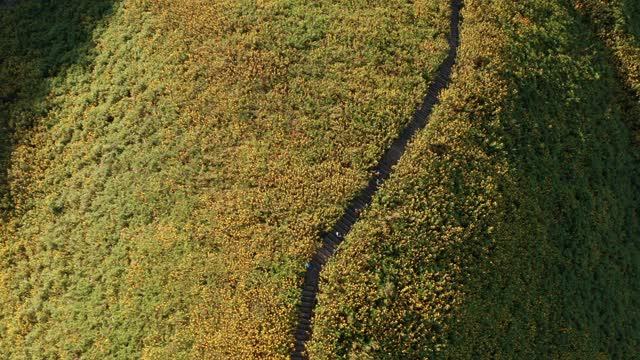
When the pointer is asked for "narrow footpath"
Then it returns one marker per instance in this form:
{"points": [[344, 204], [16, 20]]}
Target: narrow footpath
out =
{"points": [[382, 171]]}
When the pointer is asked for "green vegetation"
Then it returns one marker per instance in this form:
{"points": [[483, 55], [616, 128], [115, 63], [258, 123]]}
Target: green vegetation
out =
{"points": [[173, 163], [631, 9], [617, 23], [39, 42], [510, 228], [167, 167]]}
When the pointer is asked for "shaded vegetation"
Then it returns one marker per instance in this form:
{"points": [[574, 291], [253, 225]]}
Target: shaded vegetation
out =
{"points": [[631, 9], [39, 41], [510, 228], [617, 24], [166, 201]]}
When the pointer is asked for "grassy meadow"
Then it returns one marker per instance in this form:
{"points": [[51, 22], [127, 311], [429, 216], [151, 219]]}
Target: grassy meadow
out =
{"points": [[170, 165]]}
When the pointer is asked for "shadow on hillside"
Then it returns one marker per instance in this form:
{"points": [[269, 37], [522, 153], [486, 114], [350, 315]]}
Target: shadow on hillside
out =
{"points": [[632, 9], [568, 283], [39, 40]]}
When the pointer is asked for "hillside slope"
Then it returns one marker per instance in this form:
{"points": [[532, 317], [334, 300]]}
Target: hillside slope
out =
{"points": [[510, 228], [167, 193]]}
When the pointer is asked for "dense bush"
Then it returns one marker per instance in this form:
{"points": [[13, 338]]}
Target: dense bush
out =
{"points": [[510, 228], [169, 194], [617, 23]]}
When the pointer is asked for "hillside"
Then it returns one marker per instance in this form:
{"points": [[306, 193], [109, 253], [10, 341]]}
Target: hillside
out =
{"points": [[179, 165], [511, 227], [169, 169]]}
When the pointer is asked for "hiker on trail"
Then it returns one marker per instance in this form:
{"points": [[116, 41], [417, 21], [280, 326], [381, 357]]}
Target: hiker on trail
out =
{"points": [[339, 235], [308, 266]]}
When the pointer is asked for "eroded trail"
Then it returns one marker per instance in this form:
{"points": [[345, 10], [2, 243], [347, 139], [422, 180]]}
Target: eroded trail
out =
{"points": [[382, 172]]}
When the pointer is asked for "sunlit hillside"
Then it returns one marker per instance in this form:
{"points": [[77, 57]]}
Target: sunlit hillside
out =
{"points": [[174, 162], [168, 170]]}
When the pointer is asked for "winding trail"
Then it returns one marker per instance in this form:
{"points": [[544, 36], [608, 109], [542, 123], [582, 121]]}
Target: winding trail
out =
{"points": [[382, 172]]}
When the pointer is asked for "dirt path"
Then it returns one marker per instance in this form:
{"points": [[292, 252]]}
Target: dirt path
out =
{"points": [[383, 170]]}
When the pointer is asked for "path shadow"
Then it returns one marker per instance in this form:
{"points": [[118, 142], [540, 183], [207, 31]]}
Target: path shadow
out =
{"points": [[39, 41]]}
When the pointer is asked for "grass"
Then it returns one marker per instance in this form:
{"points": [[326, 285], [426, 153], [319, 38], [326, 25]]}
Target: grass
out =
{"points": [[186, 157], [508, 230], [39, 43], [169, 166]]}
